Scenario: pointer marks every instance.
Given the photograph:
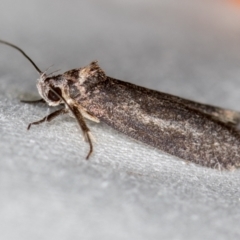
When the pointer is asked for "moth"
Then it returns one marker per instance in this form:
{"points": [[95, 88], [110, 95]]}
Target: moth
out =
{"points": [[199, 133]]}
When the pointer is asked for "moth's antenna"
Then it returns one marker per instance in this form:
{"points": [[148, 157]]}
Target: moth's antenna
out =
{"points": [[24, 54]]}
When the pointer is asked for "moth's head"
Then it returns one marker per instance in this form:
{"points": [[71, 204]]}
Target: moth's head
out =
{"points": [[51, 89]]}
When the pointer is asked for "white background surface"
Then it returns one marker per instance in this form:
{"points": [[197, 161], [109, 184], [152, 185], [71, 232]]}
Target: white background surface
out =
{"points": [[127, 190]]}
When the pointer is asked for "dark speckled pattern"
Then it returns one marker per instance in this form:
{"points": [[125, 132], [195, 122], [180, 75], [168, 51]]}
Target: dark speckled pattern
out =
{"points": [[192, 131]]}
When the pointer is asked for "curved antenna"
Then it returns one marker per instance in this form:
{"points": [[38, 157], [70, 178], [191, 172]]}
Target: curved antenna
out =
{"points": [[24, 54]]}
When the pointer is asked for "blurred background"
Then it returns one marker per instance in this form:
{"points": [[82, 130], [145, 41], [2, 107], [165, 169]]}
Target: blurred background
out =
{"points": [[127, 190], [182, 47]]}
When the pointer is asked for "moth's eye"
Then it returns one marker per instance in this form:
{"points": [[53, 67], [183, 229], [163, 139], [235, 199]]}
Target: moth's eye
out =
{"points": [[53, 96]]}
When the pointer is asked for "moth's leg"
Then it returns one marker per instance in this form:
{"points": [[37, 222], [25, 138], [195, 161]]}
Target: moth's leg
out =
{"points": [[34, 101], [84, 127], [49, 117], [90, 116]]}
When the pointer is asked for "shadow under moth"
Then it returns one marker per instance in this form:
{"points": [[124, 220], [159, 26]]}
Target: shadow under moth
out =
{"points": [[199, 133]]}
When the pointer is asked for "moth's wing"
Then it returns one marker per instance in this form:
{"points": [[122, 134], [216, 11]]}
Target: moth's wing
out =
{"points": [[229, 117]]}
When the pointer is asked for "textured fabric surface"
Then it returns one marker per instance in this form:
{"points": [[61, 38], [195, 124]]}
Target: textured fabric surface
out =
{"points": [[127, 190]]}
